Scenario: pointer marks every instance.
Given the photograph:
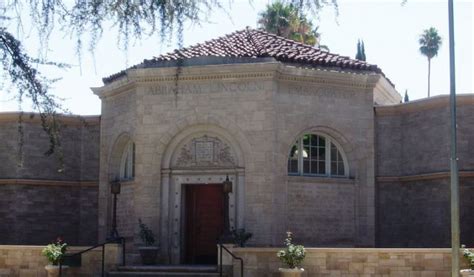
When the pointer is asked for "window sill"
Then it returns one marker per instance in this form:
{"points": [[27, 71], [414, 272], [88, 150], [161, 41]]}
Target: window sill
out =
{"points": [[128, 182], [320, 179]]}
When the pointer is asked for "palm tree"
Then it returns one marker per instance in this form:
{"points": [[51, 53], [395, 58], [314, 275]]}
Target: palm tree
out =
{"points": [[287, 21], [430, 42], [279, 18]]}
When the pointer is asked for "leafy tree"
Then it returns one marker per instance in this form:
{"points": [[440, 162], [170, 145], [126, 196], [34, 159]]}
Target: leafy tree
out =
{"points": [[287, 19], [84, 21], [430, 42], [360, 55], [280, 19], [406, 98]]}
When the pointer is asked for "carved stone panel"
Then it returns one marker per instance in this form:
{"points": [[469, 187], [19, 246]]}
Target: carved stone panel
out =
{"points": [[205, 151]]}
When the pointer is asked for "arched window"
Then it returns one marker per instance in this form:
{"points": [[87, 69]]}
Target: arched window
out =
{"points": [[317, 155], [127, 165]]}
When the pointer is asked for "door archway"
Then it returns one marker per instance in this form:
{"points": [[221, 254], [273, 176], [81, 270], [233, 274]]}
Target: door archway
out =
{"points": [[198, 159]]}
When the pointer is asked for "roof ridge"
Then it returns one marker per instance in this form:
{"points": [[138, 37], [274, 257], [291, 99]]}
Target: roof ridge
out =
{"points": [[249, 32]]}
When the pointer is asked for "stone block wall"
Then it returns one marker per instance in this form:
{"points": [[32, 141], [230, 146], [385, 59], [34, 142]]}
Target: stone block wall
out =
{"points": [[27, 261], [118, 120], [341, 108], [38, 201], [321, 213], [126, 212], [263, 106], [263, 262], [153, 115]]}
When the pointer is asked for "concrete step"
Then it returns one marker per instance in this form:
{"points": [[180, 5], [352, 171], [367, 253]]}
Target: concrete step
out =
{"points": [[166, 270], [174, 274]]}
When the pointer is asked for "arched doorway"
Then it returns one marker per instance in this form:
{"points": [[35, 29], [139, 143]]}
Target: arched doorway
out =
{"points": [[195, 165]]}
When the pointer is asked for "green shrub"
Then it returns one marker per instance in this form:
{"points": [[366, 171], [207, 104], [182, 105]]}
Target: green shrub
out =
{"points": [[292, 255], [240, 237], [55, 251], [146, 234], [469, 255]]}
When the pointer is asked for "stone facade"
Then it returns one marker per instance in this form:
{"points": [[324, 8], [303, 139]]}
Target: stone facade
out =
{"points": [[240, 120], [27, 261], [351, 262], [38, 203], [256, 111]]}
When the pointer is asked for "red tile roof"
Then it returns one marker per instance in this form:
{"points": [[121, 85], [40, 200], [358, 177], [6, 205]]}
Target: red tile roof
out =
{"points": [[252, 43]]}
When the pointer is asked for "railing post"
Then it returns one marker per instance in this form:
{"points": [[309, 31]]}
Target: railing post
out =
{"points": [[241, 268], [220, 259], [103, 258], [60, 267], [221, 248], [123, 251]]}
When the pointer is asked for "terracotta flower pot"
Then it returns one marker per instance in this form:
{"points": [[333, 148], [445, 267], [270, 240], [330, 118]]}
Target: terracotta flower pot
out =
{"points": [[148, 254], [53, 270], [291, 272], [467, 273]]}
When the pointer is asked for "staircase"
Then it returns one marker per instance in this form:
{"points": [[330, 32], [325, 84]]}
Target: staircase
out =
{"points": [[166, 270]]}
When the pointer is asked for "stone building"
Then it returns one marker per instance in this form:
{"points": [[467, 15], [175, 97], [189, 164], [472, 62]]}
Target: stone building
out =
{"points": [[312, 142]]}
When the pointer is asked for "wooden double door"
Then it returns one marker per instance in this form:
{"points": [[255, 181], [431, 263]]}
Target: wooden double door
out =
{"points": [[204, 222]]}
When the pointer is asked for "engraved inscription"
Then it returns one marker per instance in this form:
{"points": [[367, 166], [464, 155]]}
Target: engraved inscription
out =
{"points": [[218, 87], [204, 151], [322, 93]]}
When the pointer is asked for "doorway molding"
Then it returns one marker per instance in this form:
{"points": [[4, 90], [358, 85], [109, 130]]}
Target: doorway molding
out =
{"points": [[201, 154]]}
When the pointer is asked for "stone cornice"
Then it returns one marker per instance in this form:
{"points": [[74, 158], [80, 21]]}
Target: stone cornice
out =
{"points": [[387, 91], [237, 72], [434, 102], [291, 73], [149, 76], [253, 249], [423, 177], [63, 119], [202, 171], [42, 182]]}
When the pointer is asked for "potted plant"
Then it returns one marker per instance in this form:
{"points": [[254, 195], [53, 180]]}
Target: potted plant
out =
{"points": [[148, 252], [469, 255], [54, 253], [292, 256], [240, 237]]}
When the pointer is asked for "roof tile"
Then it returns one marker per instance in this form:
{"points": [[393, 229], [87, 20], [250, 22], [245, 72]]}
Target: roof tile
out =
{"points": [[256, 43]]}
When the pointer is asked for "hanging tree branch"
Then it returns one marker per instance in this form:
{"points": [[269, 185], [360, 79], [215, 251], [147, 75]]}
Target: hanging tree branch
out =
{"points": [[18, 65], [85, 20]]}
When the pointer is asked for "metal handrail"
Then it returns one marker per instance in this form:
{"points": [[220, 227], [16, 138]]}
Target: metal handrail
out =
{"points": [[221, 246], [120, 239]]}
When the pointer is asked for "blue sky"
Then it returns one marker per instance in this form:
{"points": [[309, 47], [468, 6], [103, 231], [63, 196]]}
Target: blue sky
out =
{"points": [[390, 32]]}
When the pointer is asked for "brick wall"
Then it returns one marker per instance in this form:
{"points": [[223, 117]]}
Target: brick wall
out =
{"points": [[413, 159], [80, 146], [414, 138], [417, 213], [39, 202], [36, 214]]}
